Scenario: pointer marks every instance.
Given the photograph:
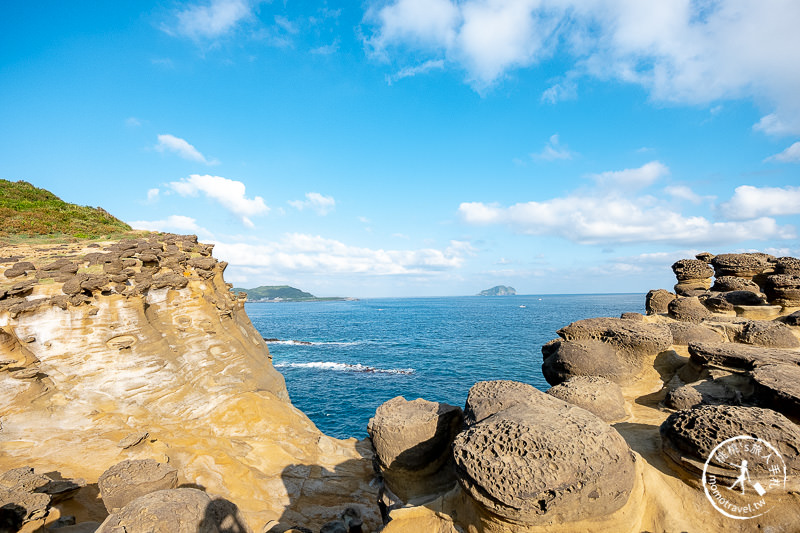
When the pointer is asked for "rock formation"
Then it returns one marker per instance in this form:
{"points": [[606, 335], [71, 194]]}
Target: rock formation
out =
{"points": [[137, 351], [717, 359]]}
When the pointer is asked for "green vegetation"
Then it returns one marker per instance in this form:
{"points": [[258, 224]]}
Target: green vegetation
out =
{"points": [[27, 212], [282, 293]]}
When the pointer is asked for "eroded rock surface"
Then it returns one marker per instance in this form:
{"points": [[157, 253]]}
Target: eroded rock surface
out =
{"points": [[126, 481], [599, 396]]}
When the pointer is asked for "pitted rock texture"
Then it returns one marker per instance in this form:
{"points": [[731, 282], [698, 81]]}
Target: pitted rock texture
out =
{"points": [[742, 265], [783, 289], [688, 309], [183, 510], [487, 398], [689, 436], [631, 337], [692, 269], [657, 301], [599, 396], [412, 442], [126, 481], [733, 283], [739, 356], [778, 387], [544, 461], [724, 389], [769, 333], [788, 265]]}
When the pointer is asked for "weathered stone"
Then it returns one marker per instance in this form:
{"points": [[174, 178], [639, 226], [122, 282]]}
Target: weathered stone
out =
{"points": [[73, 286], [768, 333], [705, 256], [19, 269], [57, 265], [657, 301], [739, 356], [793, 319], [635, 338], [94, 282], [741, 265], [718, 304], [171, 280], [566, 359], [113, 267], [725, 389], [744, 298], [24, 506], [133, 439], [787, 265], [176, 511], [486, 398], [205, 263], [128, 480], [148, 258], [636, 317], [599, 396], [23, 288], [778, 387], [733, 283], [527, 463], [692, 269], [412, 442], [334, 526], [685, 332], [783, 289], [688, 309], [688, 437]]}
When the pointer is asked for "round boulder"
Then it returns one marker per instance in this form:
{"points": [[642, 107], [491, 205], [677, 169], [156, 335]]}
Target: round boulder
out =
{"points": [[412, 444], [657, 301], [688, 309], [741, 265], [685, 332], [783, 289], [126, 481], [732, 283], [566, 359], [599, 396], [768, 333], [544, 461], [176, 511], [688, 437]]}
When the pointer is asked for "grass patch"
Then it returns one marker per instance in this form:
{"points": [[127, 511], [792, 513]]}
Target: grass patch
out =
{"points": [[28, 212]]}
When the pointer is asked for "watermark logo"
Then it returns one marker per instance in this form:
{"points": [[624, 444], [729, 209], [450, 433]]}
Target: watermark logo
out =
{"points": [[760, 468]]}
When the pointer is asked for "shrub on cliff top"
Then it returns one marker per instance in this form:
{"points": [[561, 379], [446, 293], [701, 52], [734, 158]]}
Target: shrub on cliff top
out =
{"points": [[26, 210]]}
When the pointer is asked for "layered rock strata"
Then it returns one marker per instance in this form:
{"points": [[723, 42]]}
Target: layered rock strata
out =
{"points": [[137, 350]]}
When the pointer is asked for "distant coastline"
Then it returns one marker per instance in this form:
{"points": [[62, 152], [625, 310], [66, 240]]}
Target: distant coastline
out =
{"points": [[284, 293]]}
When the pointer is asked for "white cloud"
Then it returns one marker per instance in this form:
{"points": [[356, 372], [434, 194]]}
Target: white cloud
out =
{"points": [[153, 194], [315, 201], [327, 49], [632, 178], [682, 192], [408, 72], [170, 143], [173, 223], [229, 193], [790, 155], [553, 150], [695, 52], [133, 122], [299, 253], [751, 202], [611, 213], [212, 19]]}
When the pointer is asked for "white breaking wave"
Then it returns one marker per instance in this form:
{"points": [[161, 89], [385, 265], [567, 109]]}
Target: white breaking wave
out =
{"points": [[345, 367], [307, 343]]}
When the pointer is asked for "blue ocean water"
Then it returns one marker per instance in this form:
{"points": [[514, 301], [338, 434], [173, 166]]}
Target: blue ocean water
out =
{"points": [[341, 360]]}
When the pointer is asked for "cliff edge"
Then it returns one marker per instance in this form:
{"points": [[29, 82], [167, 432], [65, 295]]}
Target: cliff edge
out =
{"points": [[137, 349]]}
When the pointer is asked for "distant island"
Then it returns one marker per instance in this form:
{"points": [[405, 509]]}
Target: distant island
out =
{"points": [[499, 290], [283, 293]]}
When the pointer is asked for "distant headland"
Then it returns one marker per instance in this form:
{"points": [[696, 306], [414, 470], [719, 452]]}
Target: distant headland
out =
{"points": [[499, 290], [284, 293]]}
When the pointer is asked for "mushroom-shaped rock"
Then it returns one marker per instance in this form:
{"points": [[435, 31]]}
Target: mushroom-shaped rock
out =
{"points": [[688, 309], [599, 396], [176, 511], [126, 481], [741, 265], [692, 270], [543, 461], [657, 301], [688, 437], [768, 333], [783, 289], [732, 283], [787, 265], [778, 387], [635, 338], [566, 359], [706, 257], [744, 297], [412, 441]]}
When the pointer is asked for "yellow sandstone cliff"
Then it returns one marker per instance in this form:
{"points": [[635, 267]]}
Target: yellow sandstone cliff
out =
{"points": [[102, 343]]}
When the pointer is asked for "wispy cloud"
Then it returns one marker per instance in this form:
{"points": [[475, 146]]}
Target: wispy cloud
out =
{"points": [[790, 155], [554, 150], [173, 223], [133, 122], [632, 178], [682, 52], [326, 49], [230, 194], [211, 19], [320, 204], [170, 143], [153, 194], [408, 72]]}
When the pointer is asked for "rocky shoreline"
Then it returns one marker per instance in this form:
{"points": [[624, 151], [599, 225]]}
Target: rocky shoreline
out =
{"points": [[134, 386]]}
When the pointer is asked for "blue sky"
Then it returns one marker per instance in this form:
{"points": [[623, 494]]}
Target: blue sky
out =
{"points": [[418, 147]]}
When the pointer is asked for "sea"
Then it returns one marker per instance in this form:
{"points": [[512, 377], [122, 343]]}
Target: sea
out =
{"points": [[342, 359]]}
